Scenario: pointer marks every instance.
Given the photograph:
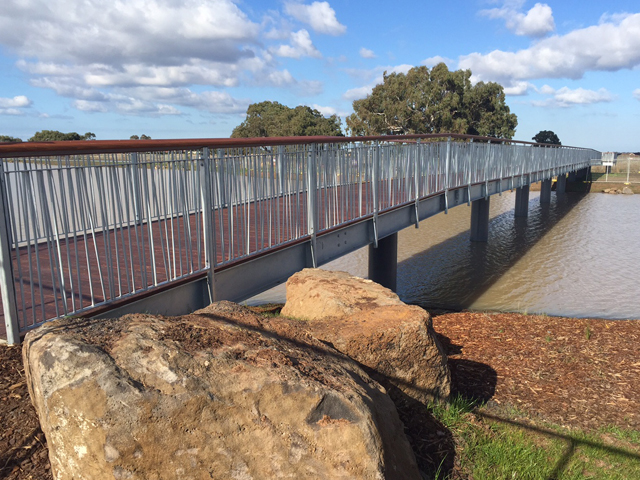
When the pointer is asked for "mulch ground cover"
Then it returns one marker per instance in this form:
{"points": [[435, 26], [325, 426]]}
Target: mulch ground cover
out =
{"points": [[572, 372]]}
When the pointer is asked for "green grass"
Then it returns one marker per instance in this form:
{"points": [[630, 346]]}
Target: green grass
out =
{"points": [[507, 447]]}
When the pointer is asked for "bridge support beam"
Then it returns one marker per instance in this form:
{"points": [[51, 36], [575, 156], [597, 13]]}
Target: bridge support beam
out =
{"points": [[522, 201], [480, 220], [383, 262], [561, 184], [545, 191]]}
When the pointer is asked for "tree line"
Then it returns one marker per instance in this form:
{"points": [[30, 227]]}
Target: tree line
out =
{"points": [[57, 136]]}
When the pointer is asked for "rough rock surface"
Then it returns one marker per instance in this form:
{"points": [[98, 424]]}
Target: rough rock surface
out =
{"points": [[370, 324], [222, 394]]}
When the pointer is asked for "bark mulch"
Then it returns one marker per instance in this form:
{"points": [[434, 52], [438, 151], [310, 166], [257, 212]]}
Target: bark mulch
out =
{"points": [[582, 373], [573, 372]]}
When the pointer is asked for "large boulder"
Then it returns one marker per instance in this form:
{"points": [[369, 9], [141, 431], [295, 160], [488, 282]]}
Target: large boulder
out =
{"points": [[370, 324], [221, 394]]}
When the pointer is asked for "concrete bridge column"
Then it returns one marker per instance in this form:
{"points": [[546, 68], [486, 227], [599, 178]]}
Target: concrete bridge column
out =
{"points": [[522, 201], [545, 191], [572, 177], [583, 174], [383, 262], [480, 220], [561, 184]]}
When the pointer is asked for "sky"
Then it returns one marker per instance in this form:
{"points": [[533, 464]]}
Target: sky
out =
{"points": [[190, 68]]}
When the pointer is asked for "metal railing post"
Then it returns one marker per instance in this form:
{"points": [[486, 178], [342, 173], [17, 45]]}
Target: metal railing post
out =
{"points": [[375, 180], [207, 222], [7, 284], [312, 198], [416, 174], [446, 176], [137, 194]]}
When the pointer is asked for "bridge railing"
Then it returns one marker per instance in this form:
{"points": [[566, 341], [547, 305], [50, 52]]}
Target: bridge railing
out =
{"points": [[87, 223]]}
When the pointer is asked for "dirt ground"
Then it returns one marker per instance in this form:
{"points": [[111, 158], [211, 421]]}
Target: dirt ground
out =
{"points": [[573, 372]]}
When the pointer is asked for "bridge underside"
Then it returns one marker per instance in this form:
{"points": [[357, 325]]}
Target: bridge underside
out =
{"points": [[245, 279]]}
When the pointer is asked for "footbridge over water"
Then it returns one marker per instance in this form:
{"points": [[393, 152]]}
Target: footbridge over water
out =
{"points": [[104, 228]]}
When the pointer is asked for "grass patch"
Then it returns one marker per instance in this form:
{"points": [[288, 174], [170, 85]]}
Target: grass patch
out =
{"points": [[508, 447]]}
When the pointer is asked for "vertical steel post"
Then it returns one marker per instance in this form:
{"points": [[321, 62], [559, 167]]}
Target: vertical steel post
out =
{"points": [[446, 176], [312, 198], [207, 222], [375, 180], [137, 194], [417, 162], [7, 284]]}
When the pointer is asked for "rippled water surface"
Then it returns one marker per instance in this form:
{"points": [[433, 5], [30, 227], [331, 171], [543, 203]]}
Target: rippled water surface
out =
{"points": [[578, 257]]}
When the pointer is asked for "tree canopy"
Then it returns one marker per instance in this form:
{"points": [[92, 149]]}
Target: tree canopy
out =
{"points": [[141, 137], [546, 136], [272, 119], [56, 136], [433, 101], [8, 139]]}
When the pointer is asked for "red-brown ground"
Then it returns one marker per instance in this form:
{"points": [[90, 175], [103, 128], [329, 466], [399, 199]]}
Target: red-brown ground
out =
{"points": [[578, 373]]}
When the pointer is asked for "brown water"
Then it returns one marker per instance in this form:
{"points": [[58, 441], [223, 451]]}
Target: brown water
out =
{"points": [[577, 257]]}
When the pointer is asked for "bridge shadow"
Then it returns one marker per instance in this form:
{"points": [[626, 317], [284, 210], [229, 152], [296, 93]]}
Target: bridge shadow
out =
{"points": [[455, 273]]}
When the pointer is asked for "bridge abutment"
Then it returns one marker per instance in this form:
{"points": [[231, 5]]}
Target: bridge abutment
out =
{"points": [[480, 220], [561, 184], [383, 262], [545, 191], [522, 201]]}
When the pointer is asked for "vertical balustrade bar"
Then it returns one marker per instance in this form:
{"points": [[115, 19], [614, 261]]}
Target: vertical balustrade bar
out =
{"points": [[207, 223], [7, 284], [312, 210]]}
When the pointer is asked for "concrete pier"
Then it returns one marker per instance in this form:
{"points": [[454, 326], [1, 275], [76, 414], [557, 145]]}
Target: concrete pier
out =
{"points": [[383, 262], [480, 220], [561, 184], [545, 191], [522, 201]]}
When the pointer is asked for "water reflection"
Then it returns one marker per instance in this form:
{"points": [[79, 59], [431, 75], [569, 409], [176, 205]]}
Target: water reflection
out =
{"points": [[578, 256]]}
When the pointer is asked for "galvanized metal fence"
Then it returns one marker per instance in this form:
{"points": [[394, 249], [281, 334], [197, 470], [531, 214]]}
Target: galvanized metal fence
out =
{"points": [[87, 227]]}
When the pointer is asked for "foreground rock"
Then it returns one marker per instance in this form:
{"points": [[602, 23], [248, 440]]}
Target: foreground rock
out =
{"points": [[370, 324], [220, 394]]}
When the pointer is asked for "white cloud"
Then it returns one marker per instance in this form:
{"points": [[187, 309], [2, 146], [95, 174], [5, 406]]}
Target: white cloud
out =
{"points": [[604, 47], [301, 46], [319, 15], [433, 61], [373, 77], [636, 94], [19, 101], [537, 22], [567, 97], [114, 56], [136, 31], [366, 53], [357, 93], [518, 88], [15, 105]]}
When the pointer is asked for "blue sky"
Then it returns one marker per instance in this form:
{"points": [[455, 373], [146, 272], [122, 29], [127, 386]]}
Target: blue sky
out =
{"points": [[190, 68]]}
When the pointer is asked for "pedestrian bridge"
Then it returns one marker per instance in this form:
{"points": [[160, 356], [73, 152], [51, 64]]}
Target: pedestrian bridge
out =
{"points": [[103, 228]]}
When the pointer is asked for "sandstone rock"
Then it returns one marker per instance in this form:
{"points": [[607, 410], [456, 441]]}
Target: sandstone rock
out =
{"points": [[627, 191], [370, 324], [218, 394]]}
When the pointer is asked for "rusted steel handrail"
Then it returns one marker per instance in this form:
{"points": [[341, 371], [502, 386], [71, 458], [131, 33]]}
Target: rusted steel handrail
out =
{"points": [[80, 147]]}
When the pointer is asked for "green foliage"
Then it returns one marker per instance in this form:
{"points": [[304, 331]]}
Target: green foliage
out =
{"points": [[56, 136], [8, 139], [272, 119], [433, 101], [546, 136], [141, 137]]}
